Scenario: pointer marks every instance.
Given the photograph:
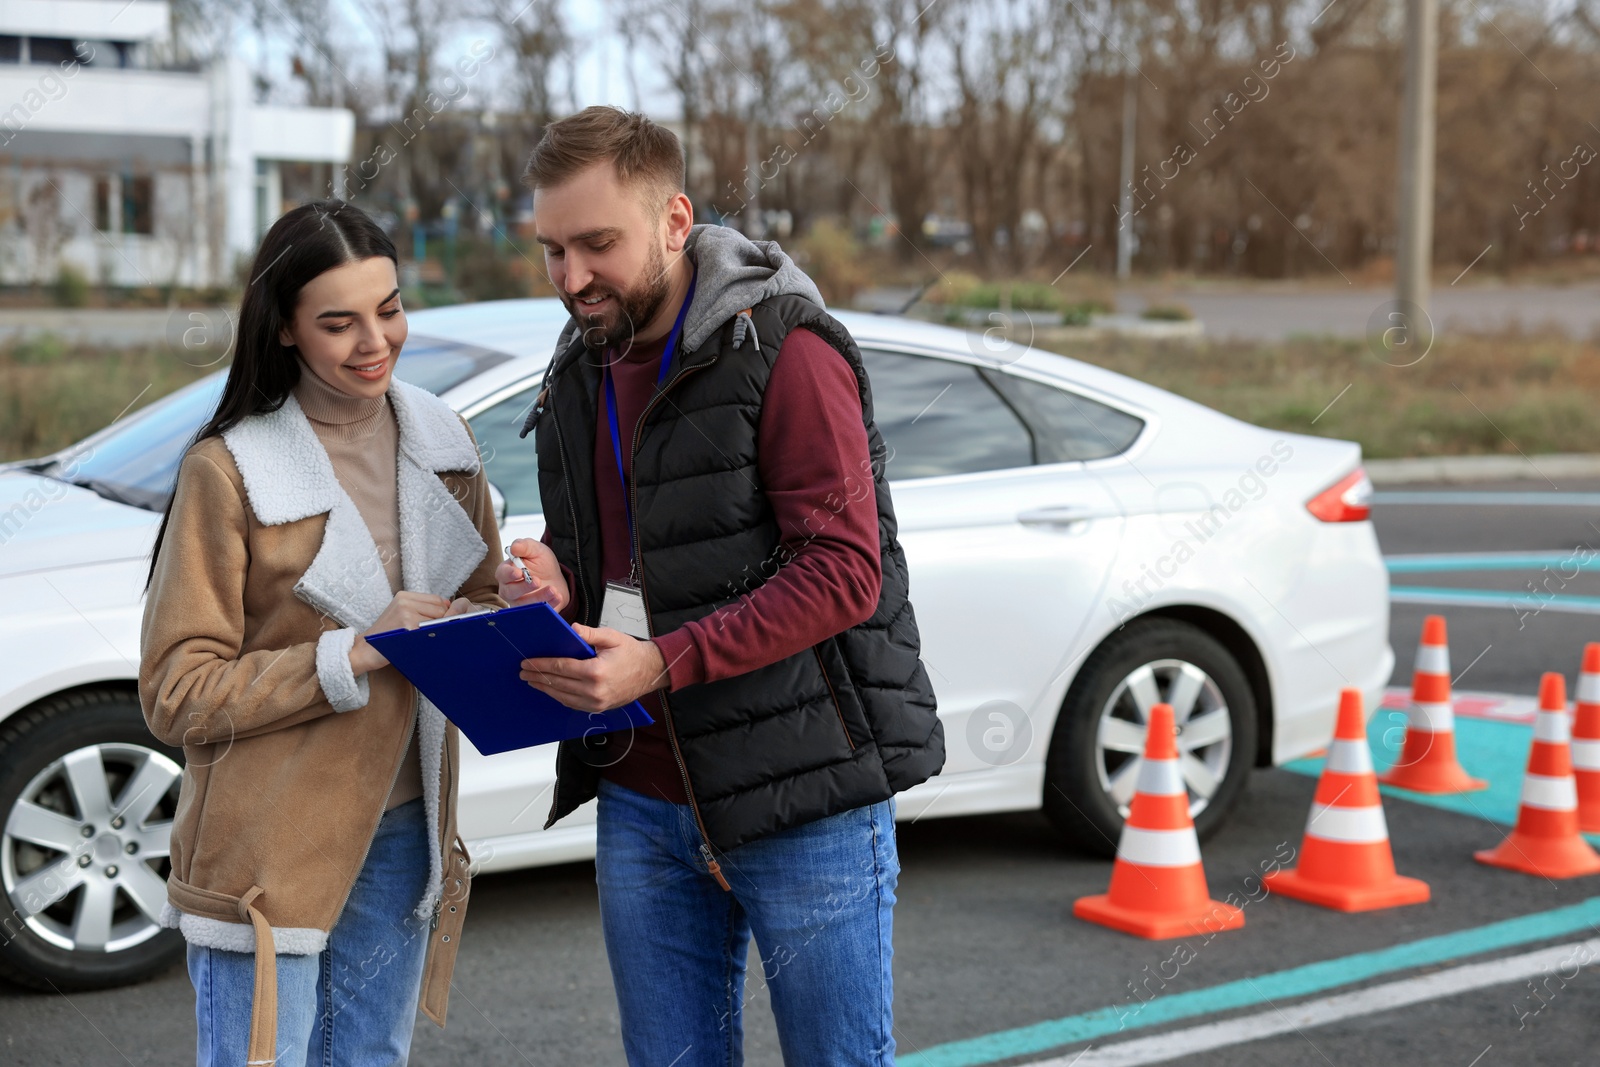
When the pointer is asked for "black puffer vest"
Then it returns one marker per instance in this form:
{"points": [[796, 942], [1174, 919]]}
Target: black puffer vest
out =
{"points": [[848, 722]]}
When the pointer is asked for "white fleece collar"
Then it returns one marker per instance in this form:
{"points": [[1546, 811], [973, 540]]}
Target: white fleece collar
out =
{"points": [[288, 477]]}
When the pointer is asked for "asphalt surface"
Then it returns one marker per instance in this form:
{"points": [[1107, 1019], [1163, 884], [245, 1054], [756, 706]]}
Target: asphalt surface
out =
{"points": [[1274, 312], [1253, 312], [1514, 644], [1262, 313], [985, 942]]}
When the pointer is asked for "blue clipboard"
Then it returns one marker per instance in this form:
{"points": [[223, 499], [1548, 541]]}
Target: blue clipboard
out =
{"points": [[468, 666]]}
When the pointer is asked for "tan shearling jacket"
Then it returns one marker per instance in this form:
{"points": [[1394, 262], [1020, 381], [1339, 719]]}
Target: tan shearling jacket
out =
{"points": [[265, 576]]}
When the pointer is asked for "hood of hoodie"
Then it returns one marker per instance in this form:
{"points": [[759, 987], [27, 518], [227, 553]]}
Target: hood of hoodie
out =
{"points": [[733, 273]]}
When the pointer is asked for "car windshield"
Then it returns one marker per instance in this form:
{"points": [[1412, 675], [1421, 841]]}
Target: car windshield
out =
{"points": [[135, 461]]}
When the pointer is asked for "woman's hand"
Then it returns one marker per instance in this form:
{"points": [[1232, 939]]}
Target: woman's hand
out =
{"points": [[548, 584], [406, 611]]}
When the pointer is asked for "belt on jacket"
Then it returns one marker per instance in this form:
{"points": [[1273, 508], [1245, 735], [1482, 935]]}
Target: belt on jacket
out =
{"points": [[444, 941], [264, 1003]]}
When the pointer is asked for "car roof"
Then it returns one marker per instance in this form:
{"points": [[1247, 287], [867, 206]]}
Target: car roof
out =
{"points": [[525, 329], [528, 329]]}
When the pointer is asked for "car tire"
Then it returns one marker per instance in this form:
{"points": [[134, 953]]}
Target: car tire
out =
{"points": [[1085, 795], [81, 862]]}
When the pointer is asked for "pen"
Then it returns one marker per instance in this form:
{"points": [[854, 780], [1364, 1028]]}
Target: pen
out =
{"points": [[521, 563]]}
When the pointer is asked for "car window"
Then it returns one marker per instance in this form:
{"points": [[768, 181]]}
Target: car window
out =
{"points": [[1068, 425], [509, 460], [135, 461], [940, 417], [440, 366]]}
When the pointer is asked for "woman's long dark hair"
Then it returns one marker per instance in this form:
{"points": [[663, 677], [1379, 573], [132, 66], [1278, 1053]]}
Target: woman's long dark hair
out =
{"points": [[302, 244]]}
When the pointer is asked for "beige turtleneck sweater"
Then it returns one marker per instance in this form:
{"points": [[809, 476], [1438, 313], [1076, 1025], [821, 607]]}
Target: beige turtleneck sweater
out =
{"points": [[362, 439]]}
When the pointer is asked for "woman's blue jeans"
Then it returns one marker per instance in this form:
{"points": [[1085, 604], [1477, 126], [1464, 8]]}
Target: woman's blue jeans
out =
{"points": [[354, 1003], [819, 899]]}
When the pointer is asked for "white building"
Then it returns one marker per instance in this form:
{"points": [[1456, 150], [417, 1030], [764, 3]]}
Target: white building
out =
{"points": [[139, 176]]}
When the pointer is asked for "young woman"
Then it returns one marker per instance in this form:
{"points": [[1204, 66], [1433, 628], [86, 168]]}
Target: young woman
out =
{"points": [[316, 872]]}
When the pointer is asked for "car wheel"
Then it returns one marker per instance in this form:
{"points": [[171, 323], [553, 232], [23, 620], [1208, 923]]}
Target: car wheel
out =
{"points": [[1098, 744], [88, 797]]}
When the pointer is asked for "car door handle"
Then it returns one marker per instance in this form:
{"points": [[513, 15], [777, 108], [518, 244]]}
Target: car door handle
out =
{"points": [[1056, 515]]}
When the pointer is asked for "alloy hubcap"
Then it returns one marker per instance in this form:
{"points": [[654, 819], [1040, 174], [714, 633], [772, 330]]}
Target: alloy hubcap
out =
{"points": [[1205, 733], [83, 857]]}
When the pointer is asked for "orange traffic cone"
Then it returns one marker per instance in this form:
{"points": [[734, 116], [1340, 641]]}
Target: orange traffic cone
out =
{"points": [[1586, 741], [1546, 840], [1158, 887], [1345, 860], [1427, 760]]}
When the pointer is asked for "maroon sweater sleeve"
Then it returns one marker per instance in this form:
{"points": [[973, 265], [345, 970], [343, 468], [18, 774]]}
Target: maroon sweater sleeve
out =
{"points": [[814, 465]]}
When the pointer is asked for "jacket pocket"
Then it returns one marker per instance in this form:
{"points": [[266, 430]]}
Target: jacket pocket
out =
{"points": [[846, 699]]}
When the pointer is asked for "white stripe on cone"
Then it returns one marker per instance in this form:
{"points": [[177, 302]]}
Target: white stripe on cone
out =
{"points": [[1159, 848], [1349, 757], [1161, 778], [1552, 726], [1356, 826], [1550, 793], [1589, 688], [1433, 659], [1586, 755], [1433, 718]]}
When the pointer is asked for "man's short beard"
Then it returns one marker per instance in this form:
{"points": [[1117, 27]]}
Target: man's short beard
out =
{"points": [[635, 307]]}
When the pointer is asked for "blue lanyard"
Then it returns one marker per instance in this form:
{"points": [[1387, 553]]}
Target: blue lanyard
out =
{"points": [[611, 407]]}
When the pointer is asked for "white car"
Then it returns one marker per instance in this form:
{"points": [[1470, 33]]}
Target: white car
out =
{"points": [[1081, 546]]}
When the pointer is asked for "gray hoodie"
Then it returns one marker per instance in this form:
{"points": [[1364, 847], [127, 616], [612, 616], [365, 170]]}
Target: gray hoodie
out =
{"points": [[733, 273]]}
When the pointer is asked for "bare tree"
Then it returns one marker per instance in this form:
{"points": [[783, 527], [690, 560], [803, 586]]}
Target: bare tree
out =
{"points": [[41, 221], [315, 36], [200, 31], [671, 31], [1265, 128], [1007, 74], [410, 33], [747, 85], [885, 52], [535, 38], [905, 42]]}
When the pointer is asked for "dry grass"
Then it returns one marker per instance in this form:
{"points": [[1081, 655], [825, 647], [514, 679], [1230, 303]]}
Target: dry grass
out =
{"points": [[1469, 395], [52, 394]]}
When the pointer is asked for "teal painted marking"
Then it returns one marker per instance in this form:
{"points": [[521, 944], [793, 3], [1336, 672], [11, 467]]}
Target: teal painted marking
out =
{"points": [[1488, 561], [1563, 500], [1294, 982], [1491, 598], [1489, 749]]}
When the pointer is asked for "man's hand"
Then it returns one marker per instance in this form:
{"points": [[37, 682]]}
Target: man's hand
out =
{"points": [[548, 584], [623, 669]]}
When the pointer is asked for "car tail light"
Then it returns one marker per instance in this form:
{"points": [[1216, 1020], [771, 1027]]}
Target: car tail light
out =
{"points": [[1347, 500]]}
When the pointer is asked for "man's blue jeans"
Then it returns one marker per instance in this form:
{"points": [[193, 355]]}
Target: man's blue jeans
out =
{"points": [[819, 899], [353, 1004]]}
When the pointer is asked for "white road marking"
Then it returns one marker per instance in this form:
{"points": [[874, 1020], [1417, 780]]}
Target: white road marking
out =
{"points": [[1174, 1044]]}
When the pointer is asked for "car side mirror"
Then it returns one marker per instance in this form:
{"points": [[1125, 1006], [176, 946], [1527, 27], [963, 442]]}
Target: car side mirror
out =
{"points": [[498, 499]]}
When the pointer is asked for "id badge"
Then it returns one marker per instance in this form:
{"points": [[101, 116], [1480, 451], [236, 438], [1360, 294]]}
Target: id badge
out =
{"points": [[623, 609]]}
